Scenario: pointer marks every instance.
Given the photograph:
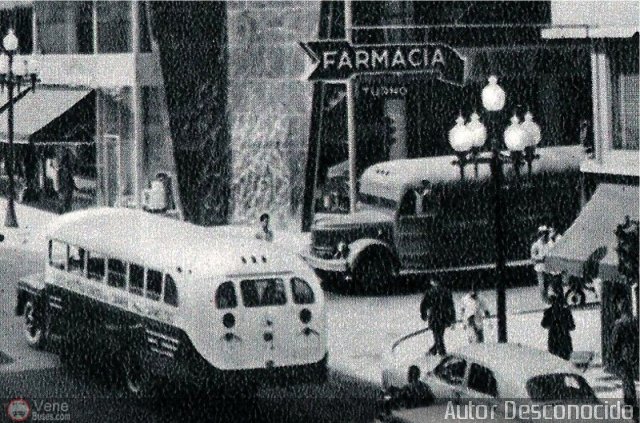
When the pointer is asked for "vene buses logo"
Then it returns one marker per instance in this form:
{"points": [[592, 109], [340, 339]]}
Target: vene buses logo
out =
{"points": [[18, 410]]}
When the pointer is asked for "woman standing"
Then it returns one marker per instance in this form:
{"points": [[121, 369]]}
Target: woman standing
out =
{"points": [[558, 320]]}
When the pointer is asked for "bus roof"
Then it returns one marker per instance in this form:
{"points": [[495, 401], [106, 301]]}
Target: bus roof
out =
{"points": [[391, 179], [167, 244]]}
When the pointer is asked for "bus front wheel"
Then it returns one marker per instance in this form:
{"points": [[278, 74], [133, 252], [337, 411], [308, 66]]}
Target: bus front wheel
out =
{"points": [[34, 328], [373, 272]]}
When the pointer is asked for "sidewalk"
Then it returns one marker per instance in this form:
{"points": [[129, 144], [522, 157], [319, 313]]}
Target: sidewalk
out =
{"points": [[30, 235]]}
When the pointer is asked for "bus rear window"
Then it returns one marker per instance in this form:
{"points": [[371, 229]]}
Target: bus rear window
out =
{"points": [[302, 292], [226, 296], [263, 292]]}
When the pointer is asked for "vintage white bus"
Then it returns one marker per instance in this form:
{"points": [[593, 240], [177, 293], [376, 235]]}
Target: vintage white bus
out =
{"points": [[173, 301]]}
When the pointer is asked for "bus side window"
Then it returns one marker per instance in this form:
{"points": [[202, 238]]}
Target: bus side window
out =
{"points": [[136, 279], [95, 266], [117, 276], [57, 254], [226, 296], [154, 285], [302, 292], [75, 264], [170, 291]]}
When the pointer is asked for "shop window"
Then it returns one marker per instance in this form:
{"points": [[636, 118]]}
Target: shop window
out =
{"points": [[136, 279], [95, 266], [57, 254], [114, 27], [302, 292], [170, 291], [64, 27], [226, 296], [154, 285], [75, 264], [117, 274], [627, 108], [145, 30]]}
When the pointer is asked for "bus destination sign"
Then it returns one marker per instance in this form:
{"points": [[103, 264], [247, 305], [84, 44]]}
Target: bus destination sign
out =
{"points": [[339, 60]]}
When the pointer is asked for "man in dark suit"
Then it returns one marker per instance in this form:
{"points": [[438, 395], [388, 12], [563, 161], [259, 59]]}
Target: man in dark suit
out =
{"points": [[438, 309]]}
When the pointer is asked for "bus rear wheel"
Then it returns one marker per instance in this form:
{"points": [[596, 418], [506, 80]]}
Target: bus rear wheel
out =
{"points": [[137, 379], [34, 328]]}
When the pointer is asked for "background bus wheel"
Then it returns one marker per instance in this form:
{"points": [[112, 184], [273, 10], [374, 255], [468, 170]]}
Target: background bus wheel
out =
{"points": [[137, 380], [575, 297], [373, 273], [33, 327]]}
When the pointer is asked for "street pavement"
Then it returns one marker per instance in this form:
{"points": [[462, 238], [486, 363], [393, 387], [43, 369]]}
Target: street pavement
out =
{"points": [[361, 332]]}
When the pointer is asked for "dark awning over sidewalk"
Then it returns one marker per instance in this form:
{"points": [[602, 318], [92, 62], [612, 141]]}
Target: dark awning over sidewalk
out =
{"points": [[34, 111], [591, 240]]}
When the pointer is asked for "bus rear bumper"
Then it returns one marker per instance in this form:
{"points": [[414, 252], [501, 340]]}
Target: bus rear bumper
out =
{"points": [[208, 377]]}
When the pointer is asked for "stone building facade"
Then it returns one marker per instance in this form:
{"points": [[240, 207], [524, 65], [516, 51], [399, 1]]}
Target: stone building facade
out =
{"points": [[269, 106]]}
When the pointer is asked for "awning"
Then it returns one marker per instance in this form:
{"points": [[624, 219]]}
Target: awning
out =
{"points": [[36, 110], [589, 245]]}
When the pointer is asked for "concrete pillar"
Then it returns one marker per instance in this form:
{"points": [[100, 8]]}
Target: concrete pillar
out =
{"points": [[136, 106]]}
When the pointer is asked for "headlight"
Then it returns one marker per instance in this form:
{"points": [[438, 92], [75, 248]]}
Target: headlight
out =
{"points": [[343, 248]]}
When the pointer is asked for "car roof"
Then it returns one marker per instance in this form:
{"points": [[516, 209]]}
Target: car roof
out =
{"points": [[391, 179], [514, 364], [168, 244]]}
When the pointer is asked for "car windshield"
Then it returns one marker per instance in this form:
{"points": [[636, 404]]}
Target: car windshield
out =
{"points": [[560, 387], [375, 201]]}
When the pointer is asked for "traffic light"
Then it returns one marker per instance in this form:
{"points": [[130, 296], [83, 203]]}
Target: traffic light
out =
{"points": [[628, 251]]}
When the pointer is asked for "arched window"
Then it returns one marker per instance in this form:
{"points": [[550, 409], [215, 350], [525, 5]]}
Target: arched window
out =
{"points": [[302, 292], [170, 291], [226, 296]]}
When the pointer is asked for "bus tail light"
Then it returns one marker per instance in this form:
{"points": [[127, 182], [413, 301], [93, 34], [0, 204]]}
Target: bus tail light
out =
{"points": [[228, 320], [305, 316]]}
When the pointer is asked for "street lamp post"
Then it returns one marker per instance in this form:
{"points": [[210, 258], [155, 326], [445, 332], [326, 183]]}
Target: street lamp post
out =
{"points": [[13, 76], [493, 99], [467, 140]]}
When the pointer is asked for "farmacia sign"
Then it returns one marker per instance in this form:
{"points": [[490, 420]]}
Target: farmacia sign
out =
{"points": [[338, 60]]}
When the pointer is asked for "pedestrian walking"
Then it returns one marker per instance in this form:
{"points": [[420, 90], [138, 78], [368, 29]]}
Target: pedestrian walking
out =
{"points": [[558, 321], [265, 232], [474, 310], [557, 279], [66, 182], [438, 310], [539, 251], [625, 352]]}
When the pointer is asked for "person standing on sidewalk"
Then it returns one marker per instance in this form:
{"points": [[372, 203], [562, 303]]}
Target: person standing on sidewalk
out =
{"points": [[474, 310], [438, 309], [539, 251], [558, 320], [625, 352]]}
